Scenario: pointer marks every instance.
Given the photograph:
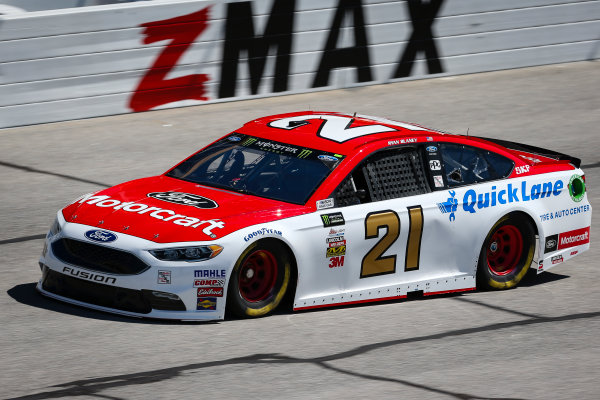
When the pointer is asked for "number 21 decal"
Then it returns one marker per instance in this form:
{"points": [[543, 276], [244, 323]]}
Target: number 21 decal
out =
{"points": [[374, 263]]}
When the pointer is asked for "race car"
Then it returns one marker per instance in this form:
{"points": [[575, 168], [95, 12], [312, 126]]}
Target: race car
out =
{"points": [[318, 209]]}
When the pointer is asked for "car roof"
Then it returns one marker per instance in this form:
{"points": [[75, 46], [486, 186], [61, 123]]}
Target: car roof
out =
{"points": [[333, 131]]}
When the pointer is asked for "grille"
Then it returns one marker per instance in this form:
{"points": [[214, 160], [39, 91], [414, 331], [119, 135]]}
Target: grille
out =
{"points": [[97, 258], [138, 301]]}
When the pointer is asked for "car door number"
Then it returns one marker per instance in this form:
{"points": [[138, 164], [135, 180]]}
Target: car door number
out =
{"points": [[374, 262]]}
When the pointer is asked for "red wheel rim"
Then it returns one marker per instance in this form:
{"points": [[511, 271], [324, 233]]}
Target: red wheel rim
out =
{"points": [[504, 250], [257, 276]]}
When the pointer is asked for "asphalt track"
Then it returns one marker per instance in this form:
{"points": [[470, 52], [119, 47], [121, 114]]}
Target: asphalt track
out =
{"points": [[539, 341]]}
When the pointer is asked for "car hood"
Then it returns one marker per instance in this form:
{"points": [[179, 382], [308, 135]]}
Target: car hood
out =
{"points": [[164, 209]]}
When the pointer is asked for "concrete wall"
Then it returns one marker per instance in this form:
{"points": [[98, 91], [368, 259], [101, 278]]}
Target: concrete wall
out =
{"points": [[91, 61]]}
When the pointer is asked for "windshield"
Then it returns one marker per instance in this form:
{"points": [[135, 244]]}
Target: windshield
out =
{"points": [[260, 167]]}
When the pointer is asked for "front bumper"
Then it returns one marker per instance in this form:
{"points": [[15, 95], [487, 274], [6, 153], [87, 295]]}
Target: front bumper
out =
{"points": [[166, 290]]}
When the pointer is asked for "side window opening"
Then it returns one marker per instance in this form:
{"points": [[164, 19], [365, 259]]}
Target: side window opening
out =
{"points": [[464, 165], [387, 174]]}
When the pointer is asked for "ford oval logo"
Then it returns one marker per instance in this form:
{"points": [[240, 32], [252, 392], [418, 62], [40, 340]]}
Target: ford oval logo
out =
{"points": [[431, 149], [101, 236], [327, 158], [235, 138], [185, 199]]}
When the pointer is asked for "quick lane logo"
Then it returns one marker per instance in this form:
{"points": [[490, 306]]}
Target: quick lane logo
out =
{"points": [[304, 153], [333, 219], [474, 201], [449, 206]]}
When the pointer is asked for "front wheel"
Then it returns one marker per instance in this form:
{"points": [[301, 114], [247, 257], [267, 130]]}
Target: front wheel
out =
{"points": [[506, 253], [259, 280]]}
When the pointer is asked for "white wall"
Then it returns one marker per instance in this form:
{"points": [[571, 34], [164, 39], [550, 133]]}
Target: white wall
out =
{"points": [[84, 62]]}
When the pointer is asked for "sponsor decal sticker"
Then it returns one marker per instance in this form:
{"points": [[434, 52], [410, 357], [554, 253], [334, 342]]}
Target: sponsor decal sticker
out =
{"points": [[557, 259], [435, 165], [565, 240], [184, 199], [210, 273], [209, 282], [522, 170], [155, 212], [206, 304], [576, 188], [262, 232], [210, 292], [438, 180], [336, 251], [431, 149], [574, 238], [333, 219], [324, 157], [234, 138], [101, 236], [164, 277], [551, 244], [574, 252], [326, 203], [338, 231], [335, 262]]}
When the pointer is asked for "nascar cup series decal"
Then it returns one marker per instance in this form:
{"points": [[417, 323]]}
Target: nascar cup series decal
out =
{"points": [[473, 201]]}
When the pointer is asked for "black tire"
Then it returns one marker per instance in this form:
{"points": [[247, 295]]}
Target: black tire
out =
{"points": [[506, 253], [259, 280]]}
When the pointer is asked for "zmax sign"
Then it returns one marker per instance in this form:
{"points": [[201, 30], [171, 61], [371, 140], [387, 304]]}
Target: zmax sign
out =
{"points": [[242, 40]]}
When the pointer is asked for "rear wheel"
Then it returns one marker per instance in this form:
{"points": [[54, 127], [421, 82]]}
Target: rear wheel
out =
{"points": [[259, 280], [506, 253]]}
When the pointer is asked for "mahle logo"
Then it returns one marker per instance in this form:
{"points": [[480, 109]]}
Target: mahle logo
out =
{"points": [[304, 153]]}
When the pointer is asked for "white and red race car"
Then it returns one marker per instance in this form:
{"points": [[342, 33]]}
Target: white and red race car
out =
{"points": [[325, 208]]}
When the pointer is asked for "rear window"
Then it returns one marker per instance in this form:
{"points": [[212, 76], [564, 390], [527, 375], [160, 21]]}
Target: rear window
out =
{"points": [[260, 167]]}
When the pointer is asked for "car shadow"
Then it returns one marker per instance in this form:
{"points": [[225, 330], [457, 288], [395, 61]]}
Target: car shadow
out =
{"points": [[28, 295]]}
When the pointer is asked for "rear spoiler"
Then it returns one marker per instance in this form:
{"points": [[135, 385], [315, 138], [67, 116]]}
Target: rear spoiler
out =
{"points": [[535, 150]]}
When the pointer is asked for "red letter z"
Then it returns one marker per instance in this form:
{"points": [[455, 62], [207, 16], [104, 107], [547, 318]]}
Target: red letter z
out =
{"points": [[154, 90]]}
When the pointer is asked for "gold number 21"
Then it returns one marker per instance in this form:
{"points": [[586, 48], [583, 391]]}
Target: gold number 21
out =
{"points": [[374, 263]]}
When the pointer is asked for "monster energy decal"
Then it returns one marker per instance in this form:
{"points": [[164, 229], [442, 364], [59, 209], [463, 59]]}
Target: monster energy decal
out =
{"points": [[285, 149]]}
